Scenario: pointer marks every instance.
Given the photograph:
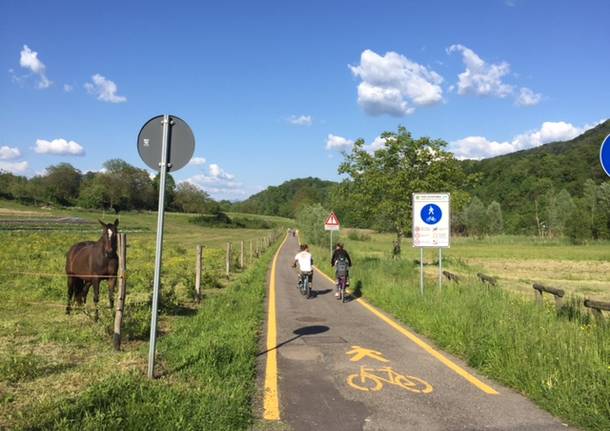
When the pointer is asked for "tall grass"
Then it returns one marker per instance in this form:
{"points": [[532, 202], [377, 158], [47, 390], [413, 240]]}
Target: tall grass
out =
{"points": [[208, 373], [561, 364]]}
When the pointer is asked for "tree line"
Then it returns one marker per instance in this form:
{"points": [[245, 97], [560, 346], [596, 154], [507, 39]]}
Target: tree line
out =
{"points": [[119, 187]]}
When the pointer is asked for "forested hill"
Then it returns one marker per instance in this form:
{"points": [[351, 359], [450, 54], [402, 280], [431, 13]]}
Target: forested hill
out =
{"points": [[285, 199], [519, 180]]}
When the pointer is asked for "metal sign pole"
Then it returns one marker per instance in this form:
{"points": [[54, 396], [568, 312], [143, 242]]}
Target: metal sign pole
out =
{"points": [[158, 250], [331, 243], [421, 270], [440, 268]]}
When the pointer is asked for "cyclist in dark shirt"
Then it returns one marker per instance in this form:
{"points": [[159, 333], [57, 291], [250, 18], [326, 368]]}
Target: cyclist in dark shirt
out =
{"points": [[339, 260]]}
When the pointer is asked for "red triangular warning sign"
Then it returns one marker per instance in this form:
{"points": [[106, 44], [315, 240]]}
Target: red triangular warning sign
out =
{"points": [[332, 220]]}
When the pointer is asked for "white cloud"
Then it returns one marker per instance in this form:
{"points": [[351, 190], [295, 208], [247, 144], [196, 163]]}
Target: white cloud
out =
{"points": [[392, 83], [528, 98], [481, 78], [218, 187], [377, 144], [218, 173], [59, 147], [68, 88], [197, 161], [14, 167], [301, 120], [339, 143], [29, 60], [104, 89], [8, 153], [478, 147]]}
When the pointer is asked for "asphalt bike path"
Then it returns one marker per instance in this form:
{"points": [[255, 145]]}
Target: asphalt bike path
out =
{"points": [[347, 366]]}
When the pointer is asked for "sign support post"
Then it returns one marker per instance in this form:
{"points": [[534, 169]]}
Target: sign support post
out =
{"points": [[421, 270], [158, 250], [165, 143], [440, 268]]}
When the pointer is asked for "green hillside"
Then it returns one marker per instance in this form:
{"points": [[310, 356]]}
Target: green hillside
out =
{"points": [[285, 199], [519, 181]]}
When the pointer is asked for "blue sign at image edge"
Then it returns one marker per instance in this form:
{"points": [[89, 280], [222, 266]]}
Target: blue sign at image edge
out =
{"points": [[604, 155]]}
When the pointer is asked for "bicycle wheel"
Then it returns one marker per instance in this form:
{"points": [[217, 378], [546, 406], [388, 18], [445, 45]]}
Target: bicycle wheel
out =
{"points": [[307, 287], [413, 384], [364, 383], [304, 283]]}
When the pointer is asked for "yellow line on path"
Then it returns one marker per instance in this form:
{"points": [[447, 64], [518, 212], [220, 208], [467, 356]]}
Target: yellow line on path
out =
{"points": [[440, 357], [271, 404]]}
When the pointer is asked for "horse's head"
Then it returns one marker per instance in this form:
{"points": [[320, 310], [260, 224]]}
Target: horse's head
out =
{"points": [[109, 237]]}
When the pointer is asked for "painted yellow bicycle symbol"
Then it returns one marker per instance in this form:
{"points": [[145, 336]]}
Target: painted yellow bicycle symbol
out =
{"points": [[367, 380]]}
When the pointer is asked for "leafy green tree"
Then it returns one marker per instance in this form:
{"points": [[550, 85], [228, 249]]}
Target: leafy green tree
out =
{"points": [[170, 189], [310, 220], [127, 187], [495, 222], [62, 183], [382, 183], [566, 209], [191, 199], [475, 218]]}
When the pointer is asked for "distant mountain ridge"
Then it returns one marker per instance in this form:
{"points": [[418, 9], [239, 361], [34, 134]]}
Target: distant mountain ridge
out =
{"points": [[515, 180]]}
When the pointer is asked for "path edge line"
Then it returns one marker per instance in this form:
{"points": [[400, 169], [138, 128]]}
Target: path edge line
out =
{"points": [[271, 404]]}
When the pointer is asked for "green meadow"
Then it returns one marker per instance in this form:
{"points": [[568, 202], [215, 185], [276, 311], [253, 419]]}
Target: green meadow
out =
{"points": [[59, 371]]}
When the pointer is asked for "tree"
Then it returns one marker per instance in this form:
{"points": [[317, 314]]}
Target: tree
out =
{"points": [[310, 220], [565, 211], [475, 218], [127, 187], [170, 189], [62, 183], [191, 199], [381, 183], [495, 223]]}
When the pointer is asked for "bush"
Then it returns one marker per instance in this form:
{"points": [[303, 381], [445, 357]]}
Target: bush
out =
{"points": [[358, 236]]}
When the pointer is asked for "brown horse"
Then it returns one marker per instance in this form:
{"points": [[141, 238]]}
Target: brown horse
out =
{"points": [[88, 263]]}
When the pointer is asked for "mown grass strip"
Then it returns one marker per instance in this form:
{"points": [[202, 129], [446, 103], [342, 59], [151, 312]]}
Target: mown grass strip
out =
{"points": [[208, 380]]}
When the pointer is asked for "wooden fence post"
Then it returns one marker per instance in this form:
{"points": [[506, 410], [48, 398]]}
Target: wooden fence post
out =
{"points": [[251, 255], [228, 258], [241, 255], [120, 304], [539, 299], [198, 273]]}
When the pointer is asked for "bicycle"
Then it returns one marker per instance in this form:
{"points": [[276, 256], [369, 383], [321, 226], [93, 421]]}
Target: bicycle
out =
{"points": [[367, 381], [304, 284]]}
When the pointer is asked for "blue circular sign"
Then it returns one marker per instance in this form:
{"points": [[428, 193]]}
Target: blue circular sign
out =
{"points": [[431, 214], [604, 155]]}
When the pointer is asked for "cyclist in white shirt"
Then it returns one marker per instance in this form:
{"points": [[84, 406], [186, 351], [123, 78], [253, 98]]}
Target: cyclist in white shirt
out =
{"points": [[304, 260]]}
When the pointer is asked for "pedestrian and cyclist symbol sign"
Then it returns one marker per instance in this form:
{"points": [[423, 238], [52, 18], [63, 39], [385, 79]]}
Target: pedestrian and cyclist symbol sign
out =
{"points": [[431, 220], [431, 214]]}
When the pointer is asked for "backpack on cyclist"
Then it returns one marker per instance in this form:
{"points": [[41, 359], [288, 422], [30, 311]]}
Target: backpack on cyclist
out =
{"points": [[341, 266]]}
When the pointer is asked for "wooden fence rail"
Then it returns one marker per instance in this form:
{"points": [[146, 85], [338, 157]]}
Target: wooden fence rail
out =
{"points": [[597, 307], [558, 294], [487, 279], [452, 277]]}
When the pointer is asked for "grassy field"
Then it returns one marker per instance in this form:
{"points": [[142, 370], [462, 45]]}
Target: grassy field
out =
{"points": [[562, 362], [516, 261], [60, 371]]}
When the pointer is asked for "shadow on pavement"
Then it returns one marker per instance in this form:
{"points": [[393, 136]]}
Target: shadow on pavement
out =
{"points": [[299, 332]]}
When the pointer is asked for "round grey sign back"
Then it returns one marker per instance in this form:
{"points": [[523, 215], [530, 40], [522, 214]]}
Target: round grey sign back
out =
{"points": [[180, 140]]}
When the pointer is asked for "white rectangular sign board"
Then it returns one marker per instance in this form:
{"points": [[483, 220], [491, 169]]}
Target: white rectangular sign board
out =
{"points": [[431, 219]]}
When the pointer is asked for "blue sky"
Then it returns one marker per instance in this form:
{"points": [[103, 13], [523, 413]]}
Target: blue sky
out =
{"points": [[275, 90]]}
